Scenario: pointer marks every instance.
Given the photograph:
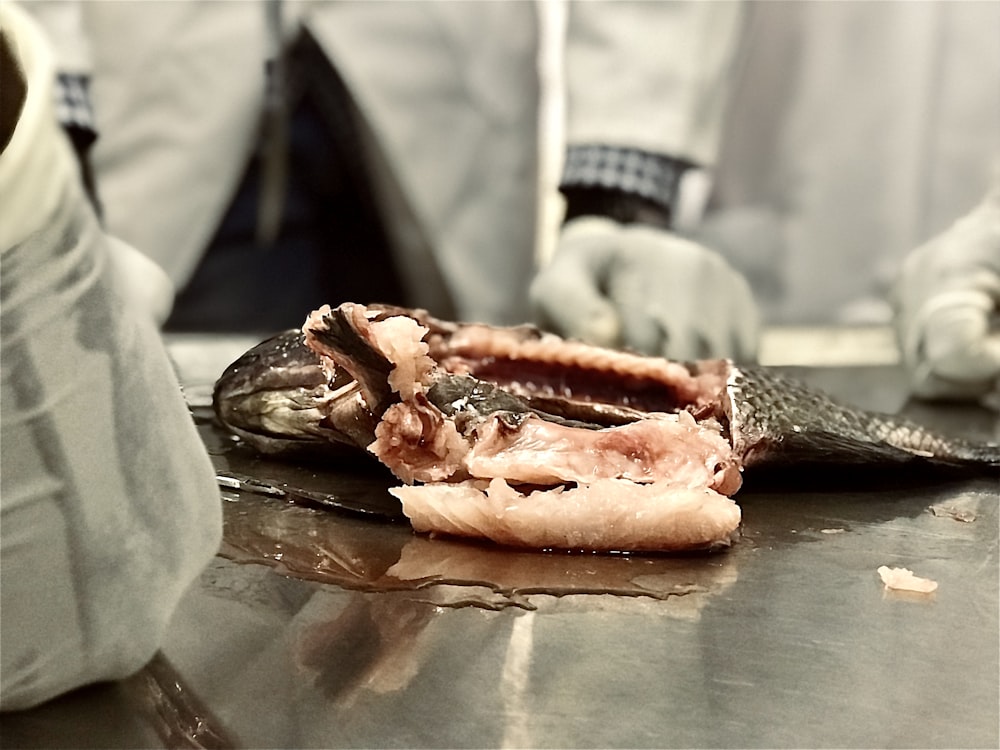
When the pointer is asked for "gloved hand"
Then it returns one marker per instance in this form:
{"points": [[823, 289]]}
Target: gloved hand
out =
{"points": [[947, 304], [145, 285], [645, 289]]}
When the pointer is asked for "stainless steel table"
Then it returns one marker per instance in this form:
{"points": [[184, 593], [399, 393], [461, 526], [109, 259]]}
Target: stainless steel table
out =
{"points": [[324, 629]]}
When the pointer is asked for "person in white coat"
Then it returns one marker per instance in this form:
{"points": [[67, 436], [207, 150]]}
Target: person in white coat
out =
{"points": [[108, 502], [444, 103]]}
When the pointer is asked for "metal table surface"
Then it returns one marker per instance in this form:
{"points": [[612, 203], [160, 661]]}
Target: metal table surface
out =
{"points": [[316, 628]]}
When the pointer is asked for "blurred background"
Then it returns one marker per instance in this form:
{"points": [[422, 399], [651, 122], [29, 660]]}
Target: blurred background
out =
{"points": [[274, 155]]}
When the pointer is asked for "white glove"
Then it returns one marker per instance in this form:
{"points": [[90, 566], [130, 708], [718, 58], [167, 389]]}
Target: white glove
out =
{"points": [[145, 285], [947, 301], [645, 289]]}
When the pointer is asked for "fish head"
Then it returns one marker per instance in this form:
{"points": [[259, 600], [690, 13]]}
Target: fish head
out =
{"points": [[280, 396]]}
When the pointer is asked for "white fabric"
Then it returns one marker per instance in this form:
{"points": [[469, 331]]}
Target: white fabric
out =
{"points": [[177, 89], [651, 75], [146, 286], [857, 131], [108, 502], [37, 160], [455, 110], [64, 20]]}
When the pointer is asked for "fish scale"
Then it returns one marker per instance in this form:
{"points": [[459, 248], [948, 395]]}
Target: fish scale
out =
{"points": [[777, 419]]}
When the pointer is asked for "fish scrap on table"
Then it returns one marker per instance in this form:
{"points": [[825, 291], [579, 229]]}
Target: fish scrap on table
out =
{"points": [[527, 439]]}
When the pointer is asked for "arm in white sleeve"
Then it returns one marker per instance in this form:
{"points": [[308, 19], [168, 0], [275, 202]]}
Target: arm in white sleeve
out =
{"points": [[108, 502], [647, 84], [651, 75]]}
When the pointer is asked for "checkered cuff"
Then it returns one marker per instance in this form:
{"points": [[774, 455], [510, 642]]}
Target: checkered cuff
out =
{"points": [[76, 116], [628, 170], [73, 108]]}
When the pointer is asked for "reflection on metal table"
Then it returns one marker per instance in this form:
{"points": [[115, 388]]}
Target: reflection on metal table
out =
{"points": [[320, 627]]}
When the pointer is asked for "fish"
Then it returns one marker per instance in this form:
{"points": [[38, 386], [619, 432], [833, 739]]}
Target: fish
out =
{"points": [[518, 436]]}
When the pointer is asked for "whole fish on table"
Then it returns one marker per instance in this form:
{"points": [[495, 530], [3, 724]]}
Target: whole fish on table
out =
{"points": [[527, 439]]}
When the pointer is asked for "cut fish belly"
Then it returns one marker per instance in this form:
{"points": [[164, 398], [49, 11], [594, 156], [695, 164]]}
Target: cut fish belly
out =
{"points": [[416, 443]]}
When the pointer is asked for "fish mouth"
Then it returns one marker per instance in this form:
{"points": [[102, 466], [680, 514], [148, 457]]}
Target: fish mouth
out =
{"points": [[279, 398]]}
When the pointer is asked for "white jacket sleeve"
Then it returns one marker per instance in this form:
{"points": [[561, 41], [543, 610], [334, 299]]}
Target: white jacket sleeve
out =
{"points": [[108, 502], [650, 75]]}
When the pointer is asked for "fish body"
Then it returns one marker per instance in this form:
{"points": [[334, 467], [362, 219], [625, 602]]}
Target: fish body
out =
{"points": [[525, 438]]}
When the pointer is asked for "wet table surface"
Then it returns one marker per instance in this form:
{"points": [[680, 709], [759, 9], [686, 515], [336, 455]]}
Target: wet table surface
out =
{"points": [[320, 627]]}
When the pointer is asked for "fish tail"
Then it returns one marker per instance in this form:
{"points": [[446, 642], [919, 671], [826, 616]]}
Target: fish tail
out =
{"points": [[777, 420]]}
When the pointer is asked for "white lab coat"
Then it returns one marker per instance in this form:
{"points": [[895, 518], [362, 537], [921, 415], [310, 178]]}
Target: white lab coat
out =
{"points": [[449, 90], [857, 132]]}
